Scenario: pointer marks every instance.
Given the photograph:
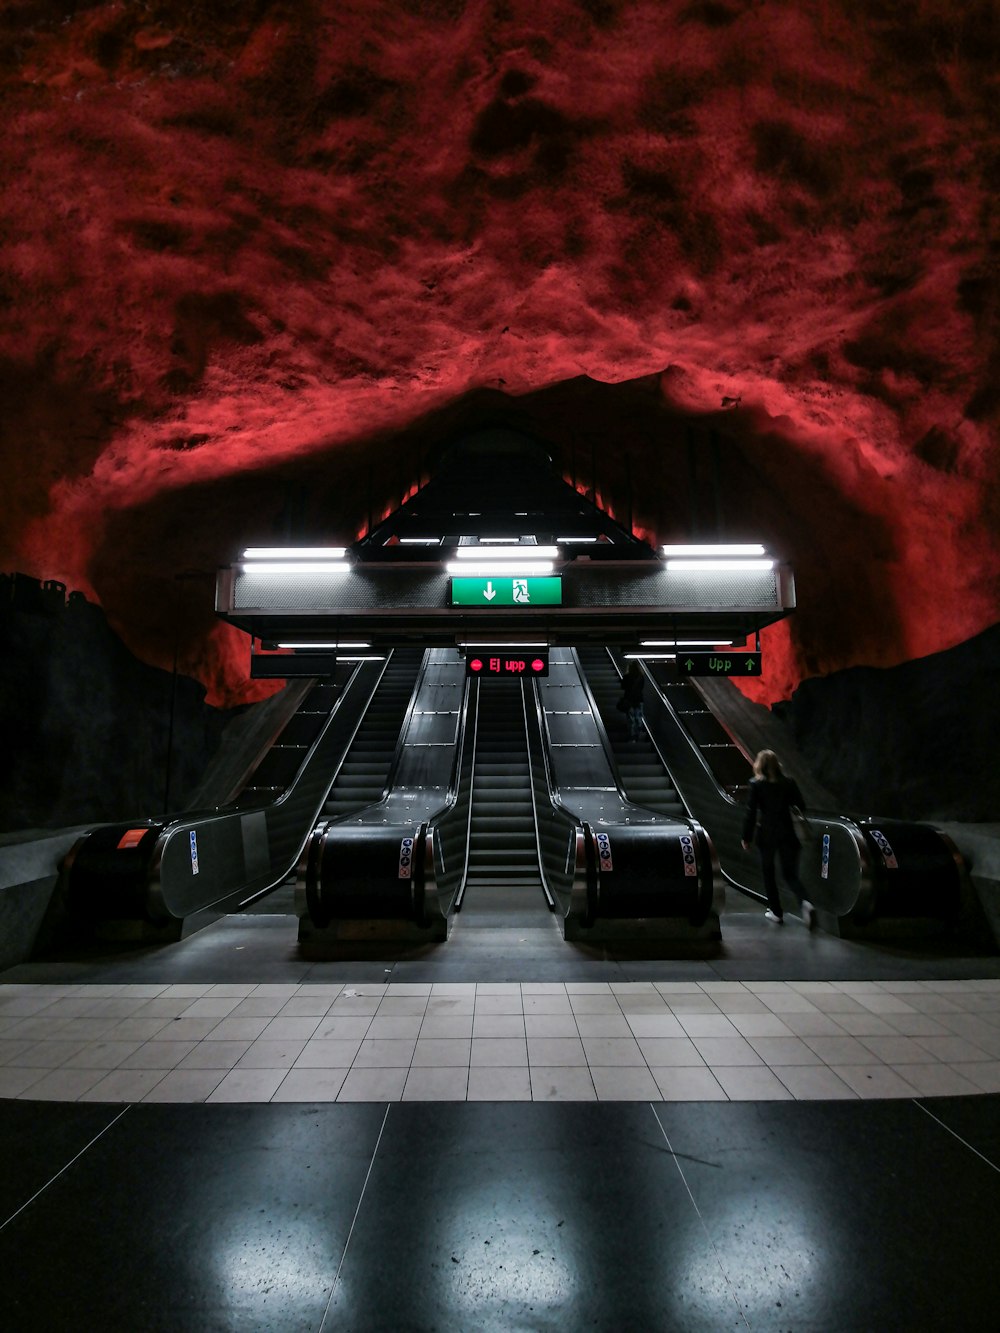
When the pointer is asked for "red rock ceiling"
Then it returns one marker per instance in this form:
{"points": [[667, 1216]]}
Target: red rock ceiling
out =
{"points": [[258, 250]]}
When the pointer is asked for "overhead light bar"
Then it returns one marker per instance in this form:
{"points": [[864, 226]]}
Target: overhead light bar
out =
{"points": [[360, 657], [566, 540], [651, 657], [714, 548], [420, 541], [494, 569], [294, 553], [685, 643], [717, 566], [296, 567], [504, 643], [518, 552], [361, 643]]}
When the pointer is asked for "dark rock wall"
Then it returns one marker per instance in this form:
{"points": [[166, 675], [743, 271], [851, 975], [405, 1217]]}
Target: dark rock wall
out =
{"points": [[86, 725], [919, 740]]}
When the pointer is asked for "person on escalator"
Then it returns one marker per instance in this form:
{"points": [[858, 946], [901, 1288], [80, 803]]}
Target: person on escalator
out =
{"points": [[633, 683], [768, 822]]}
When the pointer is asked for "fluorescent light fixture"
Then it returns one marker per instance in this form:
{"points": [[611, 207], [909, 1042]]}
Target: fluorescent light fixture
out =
{"points": [[304, 567], [685, 643], [360, 644], [567, 540], [717, 566], [493, 643], [361, 657], [717, 548], [518, 552], [294, 553], [651, 657], [494, 569], [498, 541], [420, 541]]}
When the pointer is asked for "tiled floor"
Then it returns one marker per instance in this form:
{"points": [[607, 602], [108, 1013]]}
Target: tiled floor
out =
{"points": [[500, 1041]]}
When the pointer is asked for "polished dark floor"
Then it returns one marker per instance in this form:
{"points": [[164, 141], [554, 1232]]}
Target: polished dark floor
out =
{"points": [[772, 1216], [833, 1216]]}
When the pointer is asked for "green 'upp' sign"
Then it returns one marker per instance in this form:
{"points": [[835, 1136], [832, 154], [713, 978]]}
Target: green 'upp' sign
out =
{"points": [[506, 592], [731, 663]]}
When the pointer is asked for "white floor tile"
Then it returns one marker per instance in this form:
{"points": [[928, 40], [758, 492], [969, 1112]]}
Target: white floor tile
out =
{"points": [[724, 1051], [686, 1084], [546, 1004], [985, 1076], [866, 1025], [330, 1053], [562, 1083], [751, 1085], [936, 1080], [109, 1055], [442, 1053], [185, 1085], [605, 1025], [158, 1055], [497, 1025], [294, 1029], [872, 1081], [669, 1051], [263, 1054], [402, 1026], [840, 1050], [123, 1085], [814, 1083], [238, 1029], [614, 1051], [218, 1006], [550, 1025], [385, 1053], [952, 1050], [594, 1003], [764, 1024], [506, 1051], [349, 1029], [501, 1083], [247, 1085], [776, 1051], [310, 1085], [215, 1055], [459, 1025], [402, 1006], [624, 1084], [504, 1003], [708, 1025], [556, 1051], [66, 1085], [897, 1050], [373, 1085], [436, 1085], [14, 1079], [653, 1025]]}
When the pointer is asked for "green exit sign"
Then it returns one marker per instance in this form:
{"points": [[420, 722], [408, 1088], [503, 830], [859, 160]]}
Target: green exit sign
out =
{"points": [[731, 663], [506, 592]]}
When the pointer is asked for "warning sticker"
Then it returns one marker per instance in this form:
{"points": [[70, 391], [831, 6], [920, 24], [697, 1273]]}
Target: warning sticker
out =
{"points": [[604, 851], [194, 852], [687, 851], [406, 858], [132, 838], [888, 856], [824, 870]]}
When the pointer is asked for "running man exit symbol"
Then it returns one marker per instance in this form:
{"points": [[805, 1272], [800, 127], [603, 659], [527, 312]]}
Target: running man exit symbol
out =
{"points": [[521, 593]]}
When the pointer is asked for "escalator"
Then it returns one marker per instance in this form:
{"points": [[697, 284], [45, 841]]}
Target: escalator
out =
{"points": [[277, 767], [362, 776], [502, 874], [644, 779]]}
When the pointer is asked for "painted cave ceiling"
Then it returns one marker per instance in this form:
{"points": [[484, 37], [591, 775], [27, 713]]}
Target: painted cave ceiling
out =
{"points": [[258, 259]]}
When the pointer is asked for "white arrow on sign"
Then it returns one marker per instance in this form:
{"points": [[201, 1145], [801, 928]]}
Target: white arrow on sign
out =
{"points": [[489, 592]]}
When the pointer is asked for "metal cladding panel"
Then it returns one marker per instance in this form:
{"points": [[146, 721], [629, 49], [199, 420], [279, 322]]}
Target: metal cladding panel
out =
{"points": [[584, 586], [356, 590]]}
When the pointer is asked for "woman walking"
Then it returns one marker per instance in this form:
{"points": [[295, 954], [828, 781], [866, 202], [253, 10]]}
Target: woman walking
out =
{"points": [[768, 822]]}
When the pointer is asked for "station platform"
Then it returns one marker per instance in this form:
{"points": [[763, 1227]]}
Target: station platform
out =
{"points": [[785, 1131]]}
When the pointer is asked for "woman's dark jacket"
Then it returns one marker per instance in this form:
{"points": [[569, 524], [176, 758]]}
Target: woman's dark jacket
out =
{"points": [[768, 812], [632, 687]]}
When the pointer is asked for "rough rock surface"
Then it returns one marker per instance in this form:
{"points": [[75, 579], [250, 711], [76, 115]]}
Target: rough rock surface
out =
{"points": [[258, 255]]}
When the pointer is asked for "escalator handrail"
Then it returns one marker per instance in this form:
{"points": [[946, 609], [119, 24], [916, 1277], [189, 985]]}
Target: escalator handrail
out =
{"points": [[347, 709]]}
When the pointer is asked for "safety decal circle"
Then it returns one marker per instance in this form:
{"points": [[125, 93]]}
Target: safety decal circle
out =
{"points": [[604, 851], [406, 858], [687, 852], [888, 855]]}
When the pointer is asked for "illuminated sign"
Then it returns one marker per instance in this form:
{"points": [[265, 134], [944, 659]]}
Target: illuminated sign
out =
{"points": [[730, 663], [506, 592], [497, 662]]}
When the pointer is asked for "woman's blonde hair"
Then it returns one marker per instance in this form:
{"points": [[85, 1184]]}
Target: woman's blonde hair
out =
{"points": [[766, 766]]}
